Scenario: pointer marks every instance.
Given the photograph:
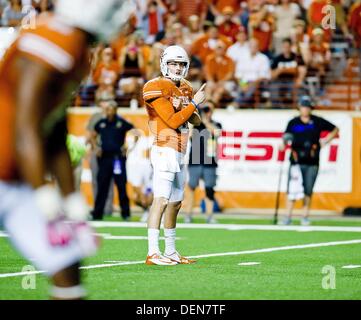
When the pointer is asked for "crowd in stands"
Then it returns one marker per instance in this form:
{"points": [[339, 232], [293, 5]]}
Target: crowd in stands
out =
{"points": [[250, 53]]}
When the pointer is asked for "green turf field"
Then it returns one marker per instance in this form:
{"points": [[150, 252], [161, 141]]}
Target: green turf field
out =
{"points": [[290, 267]]}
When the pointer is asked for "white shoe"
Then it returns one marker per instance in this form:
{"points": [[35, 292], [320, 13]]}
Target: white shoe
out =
{"points": [[176, 257], [158, 259]]}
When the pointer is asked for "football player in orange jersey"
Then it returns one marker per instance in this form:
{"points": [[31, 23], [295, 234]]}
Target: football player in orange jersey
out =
{"points": [[170, 105], [38, 74]]}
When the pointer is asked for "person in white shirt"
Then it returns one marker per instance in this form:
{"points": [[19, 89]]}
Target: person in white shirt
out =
{"points": [[240, 47], [286, 14], [252, 69]]}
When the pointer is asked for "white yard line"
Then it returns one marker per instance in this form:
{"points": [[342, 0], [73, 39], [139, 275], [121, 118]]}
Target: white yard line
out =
{"points": [[352, 266], [108, 236], [19, 274], [235, 227], [302, 246], [249, 264]]}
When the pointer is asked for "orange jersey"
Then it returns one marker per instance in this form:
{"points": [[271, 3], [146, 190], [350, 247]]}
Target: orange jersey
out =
{"points": [[60, 49], [201, 46], [169, 107], [102, 71], [217, 68]]}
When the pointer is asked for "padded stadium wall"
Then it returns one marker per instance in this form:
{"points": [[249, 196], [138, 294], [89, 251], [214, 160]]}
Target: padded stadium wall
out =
{"points": [[250, 160]]}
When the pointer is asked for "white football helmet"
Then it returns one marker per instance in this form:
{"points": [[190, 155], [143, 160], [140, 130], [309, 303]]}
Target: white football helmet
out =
{"points": [[174, 53], [102, 18]]}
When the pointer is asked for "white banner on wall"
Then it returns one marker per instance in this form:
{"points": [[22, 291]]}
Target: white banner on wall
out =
{"points": [[250, 160]]}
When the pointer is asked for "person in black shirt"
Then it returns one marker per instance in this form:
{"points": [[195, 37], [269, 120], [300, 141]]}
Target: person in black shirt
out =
{"points": [[203, 161], [304, 133], [93, 159], [111, 160], [288, 73]]}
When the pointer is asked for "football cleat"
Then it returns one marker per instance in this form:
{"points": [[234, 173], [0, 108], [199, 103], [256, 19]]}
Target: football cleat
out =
{"points": [[176, 257], [158, 259]]}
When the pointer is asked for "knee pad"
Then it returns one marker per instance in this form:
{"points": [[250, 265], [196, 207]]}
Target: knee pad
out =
{"points": [[210, 193]]}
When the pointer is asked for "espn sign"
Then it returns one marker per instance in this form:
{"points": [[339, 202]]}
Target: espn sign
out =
{"points": [[260, 146], [249, 158]]}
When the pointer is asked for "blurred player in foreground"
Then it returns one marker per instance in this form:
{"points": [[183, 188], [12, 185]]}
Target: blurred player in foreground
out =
{"points": [[170, 107], [38, 74]]}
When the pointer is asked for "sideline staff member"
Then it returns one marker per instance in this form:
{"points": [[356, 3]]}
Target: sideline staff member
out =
{"points": [[305, 133], [93, 159], [203, 160], [111, 160]]}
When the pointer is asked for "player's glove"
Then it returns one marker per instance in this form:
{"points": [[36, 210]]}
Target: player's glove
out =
{"points": [[49, 202], [75, 207], [66, 219]]}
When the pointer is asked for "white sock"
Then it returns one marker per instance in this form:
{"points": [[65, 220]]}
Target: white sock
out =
{"points": [[153, 241], [169, 235]]}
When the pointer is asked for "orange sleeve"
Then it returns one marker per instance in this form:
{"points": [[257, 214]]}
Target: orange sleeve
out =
{"points": [[165, 111], [152, 90], [57, 50]]}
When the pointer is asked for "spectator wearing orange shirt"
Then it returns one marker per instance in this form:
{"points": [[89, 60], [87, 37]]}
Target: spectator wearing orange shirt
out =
{"points": [[205, 45], [106, 74], [228, 27], [262, 25], [315, 15], [219, 72]]}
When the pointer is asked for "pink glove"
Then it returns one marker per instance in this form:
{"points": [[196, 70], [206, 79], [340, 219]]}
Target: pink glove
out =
{"points": [[59, 232]]}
